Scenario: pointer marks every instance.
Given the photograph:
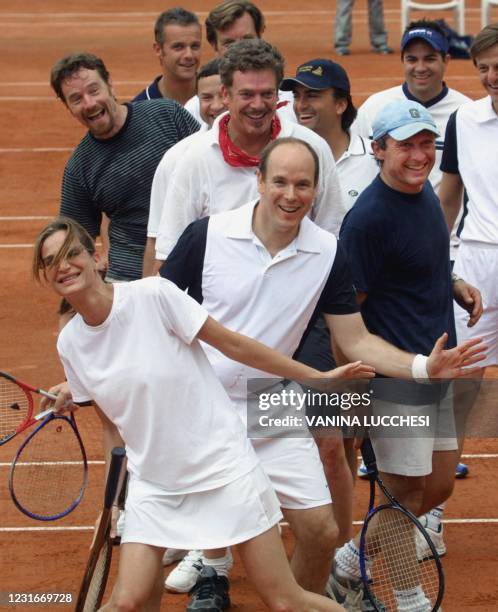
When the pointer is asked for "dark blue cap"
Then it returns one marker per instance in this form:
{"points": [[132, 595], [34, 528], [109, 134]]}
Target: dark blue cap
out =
{"points": [[318, 74], [436, 40]]}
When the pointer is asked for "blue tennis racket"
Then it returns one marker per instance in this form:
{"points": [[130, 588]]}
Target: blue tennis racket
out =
{"points": [[49, 473], [393, 576]]}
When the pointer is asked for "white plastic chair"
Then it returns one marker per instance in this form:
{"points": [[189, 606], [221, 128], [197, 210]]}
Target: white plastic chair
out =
{"points": [[486, 11], [458, 6]]}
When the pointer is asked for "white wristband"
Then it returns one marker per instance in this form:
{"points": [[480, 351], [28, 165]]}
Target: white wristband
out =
{"points": [[419, 367]]}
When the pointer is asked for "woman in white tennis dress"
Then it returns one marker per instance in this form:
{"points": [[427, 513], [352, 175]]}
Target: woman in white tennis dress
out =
{"points": [[133, 349]]}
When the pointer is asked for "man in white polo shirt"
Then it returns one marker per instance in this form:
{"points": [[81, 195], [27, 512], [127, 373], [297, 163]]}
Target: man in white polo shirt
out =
{"points": [[470, 160], [267, 270], [219, 173], [211, 105]]}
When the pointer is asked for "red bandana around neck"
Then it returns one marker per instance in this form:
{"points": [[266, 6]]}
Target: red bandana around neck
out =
{"points": [[232, 154]]}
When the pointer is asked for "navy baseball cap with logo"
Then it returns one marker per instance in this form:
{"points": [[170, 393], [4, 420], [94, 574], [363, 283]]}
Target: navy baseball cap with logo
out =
{"points": [[402, 119], [318, 74], [435, 39]]}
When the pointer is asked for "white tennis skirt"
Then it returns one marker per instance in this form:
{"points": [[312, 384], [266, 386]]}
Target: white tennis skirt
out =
{"points": [[221, 517]]}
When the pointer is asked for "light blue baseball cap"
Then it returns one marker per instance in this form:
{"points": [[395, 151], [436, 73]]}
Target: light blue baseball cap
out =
{"points": [[402, 119]]}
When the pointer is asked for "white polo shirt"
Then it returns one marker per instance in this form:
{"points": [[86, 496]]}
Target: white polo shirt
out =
{"points": [[148, 373], [161, 179], [204, 184], [477, 163], [356, 168], [272, 299], [287, 111]]}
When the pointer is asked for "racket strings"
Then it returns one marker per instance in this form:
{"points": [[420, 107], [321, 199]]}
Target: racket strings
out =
{"points": [[98, 582], [49, 474], [15, 406], [398, 580]]}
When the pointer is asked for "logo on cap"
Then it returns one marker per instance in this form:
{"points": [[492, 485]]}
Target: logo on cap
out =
{"points": [[414, 113], [318, 71]]}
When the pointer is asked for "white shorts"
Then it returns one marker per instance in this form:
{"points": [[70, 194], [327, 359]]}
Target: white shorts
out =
{"points": [[295, 470], [228, 515], [293, 466], [477, 263], [412, 456]]}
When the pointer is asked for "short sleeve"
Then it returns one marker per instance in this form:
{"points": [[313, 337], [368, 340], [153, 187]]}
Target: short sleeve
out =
{"points": [[338, 295], [77, 204], [449, 161], [364, 251], [184, 315]]}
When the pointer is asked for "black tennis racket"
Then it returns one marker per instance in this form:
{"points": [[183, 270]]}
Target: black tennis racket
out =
{"points": [[99, 562], [49, 473], [392, 575], [17, 406]]}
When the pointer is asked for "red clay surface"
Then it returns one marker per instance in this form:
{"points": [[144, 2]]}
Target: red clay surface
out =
{"points": [[34, 35]]}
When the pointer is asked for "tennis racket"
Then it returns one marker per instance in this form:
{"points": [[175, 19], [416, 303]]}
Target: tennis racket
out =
{"points": [[97, 569], [49, 473], [392, 575], [17, 406]]}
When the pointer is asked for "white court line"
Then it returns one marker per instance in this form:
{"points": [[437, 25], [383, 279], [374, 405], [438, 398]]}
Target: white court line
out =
{"points": [[27, 529], [93, 462], [26, 218], [468, 456], [36, 149], [480, 456], [471, 521], [16, 246], [134, 15], [120, 83]]}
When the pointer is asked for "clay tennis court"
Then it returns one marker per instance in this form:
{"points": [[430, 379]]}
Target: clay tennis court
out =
{"points": [[36, 139]]}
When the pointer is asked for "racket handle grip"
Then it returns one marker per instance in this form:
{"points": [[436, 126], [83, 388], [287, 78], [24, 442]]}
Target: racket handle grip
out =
{"points": [[118, 455], [368, 454]]}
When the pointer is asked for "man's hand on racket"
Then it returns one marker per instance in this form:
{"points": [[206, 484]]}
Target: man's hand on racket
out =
{"points": [[455, 362], [469, 298], [64, 401]]}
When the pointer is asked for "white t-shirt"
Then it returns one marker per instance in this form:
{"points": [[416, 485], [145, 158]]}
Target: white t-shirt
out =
{"points": [[150, 376], [162, 176], [204, 184]]}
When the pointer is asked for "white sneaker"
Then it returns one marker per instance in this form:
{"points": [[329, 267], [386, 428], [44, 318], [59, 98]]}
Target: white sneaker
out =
{"points": [[423, 550], [172, 555], [185, 574], [347, 593]]}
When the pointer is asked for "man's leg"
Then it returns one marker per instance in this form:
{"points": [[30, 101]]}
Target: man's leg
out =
{"points": [[376, 25], [267, 567], [340, 481], [315, 532], [139, 582], [343, 24]]}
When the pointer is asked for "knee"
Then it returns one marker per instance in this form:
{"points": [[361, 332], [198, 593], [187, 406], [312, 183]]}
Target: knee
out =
{"points": [[125, 601], [320, 536]]}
